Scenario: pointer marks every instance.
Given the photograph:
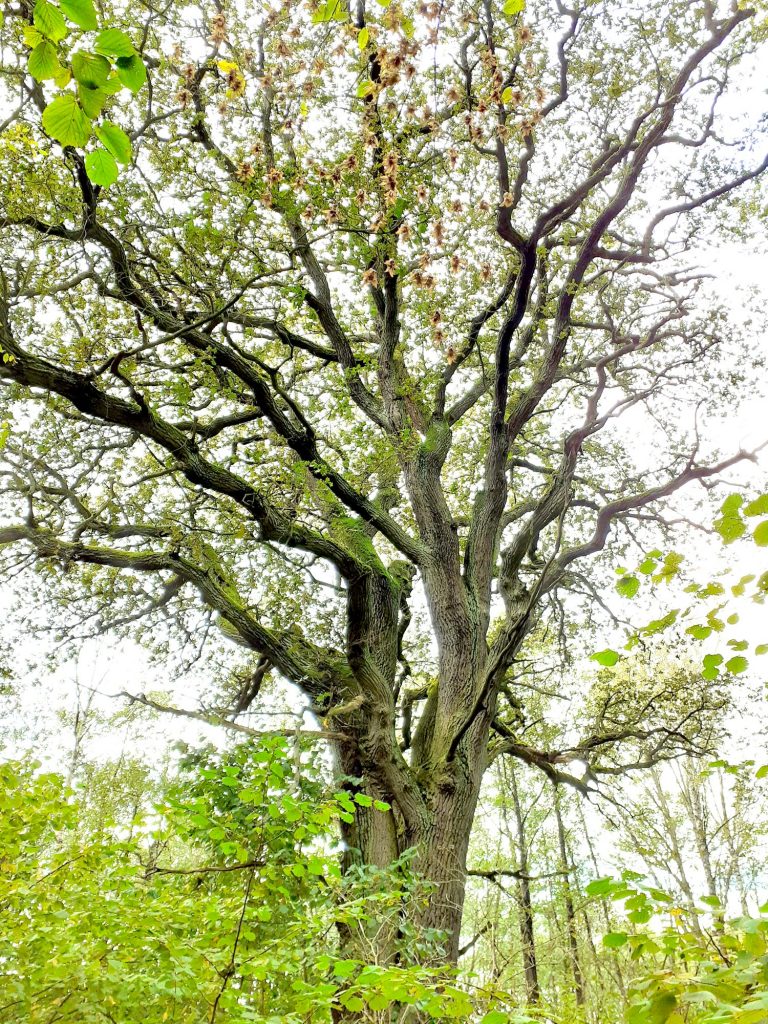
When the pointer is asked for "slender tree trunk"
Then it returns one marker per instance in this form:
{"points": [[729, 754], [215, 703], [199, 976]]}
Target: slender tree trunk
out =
{"points": [[698, 814], [603, 903], [670, 827], [570, 912], [527, 935]]}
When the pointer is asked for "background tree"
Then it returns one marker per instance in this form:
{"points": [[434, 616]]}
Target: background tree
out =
{"points": [[378, 308]]}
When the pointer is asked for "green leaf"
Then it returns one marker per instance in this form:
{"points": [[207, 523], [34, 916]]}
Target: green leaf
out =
{"points": [[732, 504], [316, 866], [600, 886], [760, 534], [627, 875], [64, 120], [352, 1002], [699, 632], [640, 916], [739, 588], [114, 43], [50, 21], [92, 100], [115, 141], [762, 772], [332, 10], [382, 805], [699, 997], [670, 568], [607, 658], [101, 168], [761, 649], [513, 7], [345, 968], [81, 12], [362, 37], [364, 88], [659, 625], [628, 586], [112, 85], [661, 1008], [378, 1001], [43, 62], [711, 665], [717, 624], [344, 800], [90, 69], [737, 665], [730, 527], [31, 36], [495, 1017], [758, 507], [613, 940], [363, 799], [132, 72]]}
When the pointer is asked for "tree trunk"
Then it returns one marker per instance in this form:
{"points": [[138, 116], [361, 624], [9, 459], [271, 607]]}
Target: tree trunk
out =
{"points": [[698, 814], [570, 913], [527, 935], [444, 862], [670, 827], [440, 841], [607, 917]]}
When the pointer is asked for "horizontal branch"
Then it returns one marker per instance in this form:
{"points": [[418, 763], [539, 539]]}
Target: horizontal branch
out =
{"points": [[313, 669], [205, 868], [608, 513], [495, 873], [80, 391], [220, 721]]}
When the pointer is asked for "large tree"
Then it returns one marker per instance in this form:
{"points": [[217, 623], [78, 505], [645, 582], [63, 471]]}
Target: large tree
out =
{"points": [[391, 308]]}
